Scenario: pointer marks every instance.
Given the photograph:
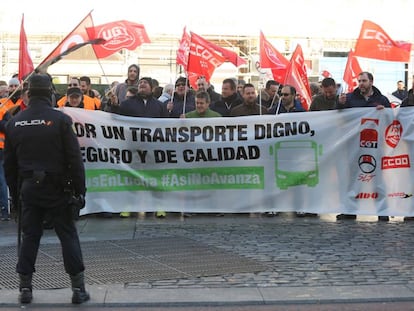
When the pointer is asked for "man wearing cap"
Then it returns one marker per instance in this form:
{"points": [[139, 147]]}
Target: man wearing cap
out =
{"points": [[81, 101], [75, 99], [45, 174]]}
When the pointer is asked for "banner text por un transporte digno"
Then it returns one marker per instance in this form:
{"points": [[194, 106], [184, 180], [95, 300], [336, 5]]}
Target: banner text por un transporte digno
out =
{"points": [[354, 161]]}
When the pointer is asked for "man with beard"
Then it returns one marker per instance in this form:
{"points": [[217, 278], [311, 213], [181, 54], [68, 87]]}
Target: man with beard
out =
{"points": [[230, 98], [119, 94], [249, 106], [143, 104], [327, 100], [365, 95]]}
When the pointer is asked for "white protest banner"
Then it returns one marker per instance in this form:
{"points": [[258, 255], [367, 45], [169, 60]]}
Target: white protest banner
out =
{"points": [[355, 161]]}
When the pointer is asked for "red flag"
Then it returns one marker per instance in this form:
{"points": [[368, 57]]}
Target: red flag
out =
{"points": [[184, 49], [326, 74], [192, 79], [374, 42], [202, 60], [25, 61], [273, 59], [76, 36], [228, 55], [352, 70], [297, 77], [118, 35]]}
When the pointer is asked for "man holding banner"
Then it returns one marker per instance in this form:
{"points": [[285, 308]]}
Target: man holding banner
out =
{"points": [[365, 95]]}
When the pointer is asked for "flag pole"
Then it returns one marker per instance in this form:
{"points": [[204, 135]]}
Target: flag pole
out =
{"points": [[185, 93], [260, 101], [278, 106], [273, 100]]}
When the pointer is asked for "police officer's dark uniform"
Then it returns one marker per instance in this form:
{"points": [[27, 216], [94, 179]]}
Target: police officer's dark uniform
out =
{"points": [[41, 154]]}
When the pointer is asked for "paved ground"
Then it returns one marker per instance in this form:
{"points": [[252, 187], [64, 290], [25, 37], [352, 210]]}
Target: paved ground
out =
{"points": [[232, 260]]}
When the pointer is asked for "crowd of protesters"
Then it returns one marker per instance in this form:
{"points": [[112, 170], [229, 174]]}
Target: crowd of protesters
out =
{"points": [[141, 96]]}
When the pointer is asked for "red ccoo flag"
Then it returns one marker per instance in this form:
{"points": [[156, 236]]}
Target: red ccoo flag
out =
{"points": [[25, 61], [352, 70], [202, 59], [117, 35], [184, 49], [228, 55], [273, 59], [374, 42], [297, 77]]}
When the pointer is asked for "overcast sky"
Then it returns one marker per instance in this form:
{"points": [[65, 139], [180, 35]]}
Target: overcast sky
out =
{"points": [[329, 19]]}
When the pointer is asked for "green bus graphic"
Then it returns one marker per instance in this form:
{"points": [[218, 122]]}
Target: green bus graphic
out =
{"points": [[296, 163]]}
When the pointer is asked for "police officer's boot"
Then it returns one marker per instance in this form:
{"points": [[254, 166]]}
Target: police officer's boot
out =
{"points": [[25, 288], [80, 295]]}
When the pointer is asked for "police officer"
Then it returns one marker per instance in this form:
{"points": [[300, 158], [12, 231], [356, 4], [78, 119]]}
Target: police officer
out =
{"points": [[41, 155]]}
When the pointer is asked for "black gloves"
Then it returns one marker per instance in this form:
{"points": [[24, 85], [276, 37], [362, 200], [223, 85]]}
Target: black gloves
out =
{"points": [[77, 202]]}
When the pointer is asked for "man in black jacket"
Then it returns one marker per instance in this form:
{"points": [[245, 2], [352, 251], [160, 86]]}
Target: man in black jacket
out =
{"points": [[142, 103]]}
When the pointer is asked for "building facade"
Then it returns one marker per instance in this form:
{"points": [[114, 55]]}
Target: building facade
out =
{"points": [[158, 60]]}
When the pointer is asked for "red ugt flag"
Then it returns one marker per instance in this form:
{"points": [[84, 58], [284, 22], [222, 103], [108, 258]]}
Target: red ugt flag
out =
{"points": [[352, 70], [77, 36], [374, 42], [202, 60], [273, 59], [25, 61], [118, 35]]}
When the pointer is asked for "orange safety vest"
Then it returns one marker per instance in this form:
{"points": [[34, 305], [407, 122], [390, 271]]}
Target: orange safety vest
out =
{"points": [[8, 103], [97, 103], [3, 111], [88, 102]]}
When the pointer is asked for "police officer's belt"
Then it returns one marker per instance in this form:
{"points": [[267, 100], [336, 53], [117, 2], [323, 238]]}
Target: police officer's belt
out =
{"points": [[41, 176]]}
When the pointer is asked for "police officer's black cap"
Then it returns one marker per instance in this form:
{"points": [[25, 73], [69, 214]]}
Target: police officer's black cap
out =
{"points": [[40, 85], [40, 81], [74, 91]]}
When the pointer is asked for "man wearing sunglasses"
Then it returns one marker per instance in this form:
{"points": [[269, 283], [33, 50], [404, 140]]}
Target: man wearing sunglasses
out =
{"points": [[86, 101], [182, 100], [287, 102]]}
